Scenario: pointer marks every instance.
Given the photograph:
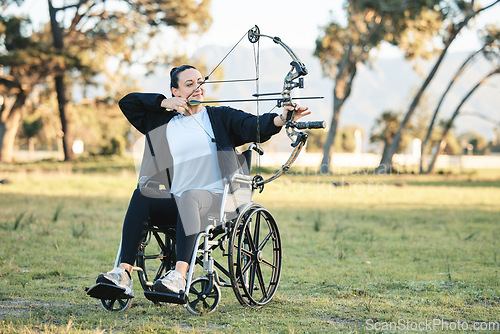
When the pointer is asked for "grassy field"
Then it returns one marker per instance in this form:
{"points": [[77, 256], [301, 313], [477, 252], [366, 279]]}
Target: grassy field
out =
{"points": [[376, 253]]}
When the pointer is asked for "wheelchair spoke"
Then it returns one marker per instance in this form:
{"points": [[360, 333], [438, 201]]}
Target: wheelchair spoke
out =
{"points": [[246, 252], [194, 303], [264, 242], [252, 278], [261, 281], [212, 295], [247, 266], [122, 302], [256, 231], [269, 264], [106, 303], [193, 290], [248, 235], [109, 303]]}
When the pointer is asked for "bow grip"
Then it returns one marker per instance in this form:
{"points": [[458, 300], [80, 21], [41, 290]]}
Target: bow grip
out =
{"points": [[310, 125]]}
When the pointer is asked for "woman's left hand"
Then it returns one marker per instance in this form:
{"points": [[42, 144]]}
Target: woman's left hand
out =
{"points": [[299, 112]]}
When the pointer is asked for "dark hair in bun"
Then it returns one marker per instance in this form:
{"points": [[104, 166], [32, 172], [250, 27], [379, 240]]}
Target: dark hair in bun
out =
{"points": [[174, 75]]}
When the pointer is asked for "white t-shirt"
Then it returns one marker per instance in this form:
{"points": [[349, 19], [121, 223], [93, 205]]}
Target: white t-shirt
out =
{"points": [[194, 154]]}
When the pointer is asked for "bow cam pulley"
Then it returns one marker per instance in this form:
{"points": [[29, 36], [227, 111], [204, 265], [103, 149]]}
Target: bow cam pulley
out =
{"points": [[254, 34]]}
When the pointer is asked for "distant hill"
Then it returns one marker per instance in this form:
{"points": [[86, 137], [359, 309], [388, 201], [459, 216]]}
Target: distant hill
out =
{"points": [[388, 84]]}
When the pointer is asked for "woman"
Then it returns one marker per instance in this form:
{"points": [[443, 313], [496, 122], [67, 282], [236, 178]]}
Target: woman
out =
{"points": [[196, 141]]}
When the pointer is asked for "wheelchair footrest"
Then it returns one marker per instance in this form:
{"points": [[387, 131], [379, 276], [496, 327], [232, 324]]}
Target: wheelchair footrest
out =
{"points": [[107, 291], [171, 298]]}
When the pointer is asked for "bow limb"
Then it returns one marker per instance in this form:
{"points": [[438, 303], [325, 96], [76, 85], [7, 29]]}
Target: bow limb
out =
{"points": [[297, 71], [258, 182]]}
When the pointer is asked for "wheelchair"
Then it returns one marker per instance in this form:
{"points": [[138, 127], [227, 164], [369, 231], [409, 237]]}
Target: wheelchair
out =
{"points": [[247, 235], [245, 232]]}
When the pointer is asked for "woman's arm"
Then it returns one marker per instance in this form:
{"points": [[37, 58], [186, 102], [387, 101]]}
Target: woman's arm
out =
{"points": [[141, 108], [244, 126]]}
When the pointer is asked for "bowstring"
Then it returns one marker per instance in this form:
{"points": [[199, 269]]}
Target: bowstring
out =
{"points": [[256, 55], [224, 58], [205, 80], [257, 87]]}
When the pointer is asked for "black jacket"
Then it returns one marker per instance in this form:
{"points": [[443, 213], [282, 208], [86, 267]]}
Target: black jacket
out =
{"points": [[231, 128]]}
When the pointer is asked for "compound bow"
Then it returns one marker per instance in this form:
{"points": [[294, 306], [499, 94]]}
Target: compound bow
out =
{"points": [[293, 79]]}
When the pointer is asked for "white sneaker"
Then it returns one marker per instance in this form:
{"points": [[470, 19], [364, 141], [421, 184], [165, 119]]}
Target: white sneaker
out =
{"points": [[119, 277], [171, 282]]}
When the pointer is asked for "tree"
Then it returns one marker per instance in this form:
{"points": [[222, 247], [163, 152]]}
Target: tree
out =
{"points": [[457, 15], [94, 22], [342, 48], [27, 61], [32, 128], [315, 141], [494, 145], [83, 30], [490, 50], [442, 143], [385, 128]]}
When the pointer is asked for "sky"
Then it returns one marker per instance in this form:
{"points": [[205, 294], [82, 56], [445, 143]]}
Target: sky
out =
{"points": [[297, 22]]}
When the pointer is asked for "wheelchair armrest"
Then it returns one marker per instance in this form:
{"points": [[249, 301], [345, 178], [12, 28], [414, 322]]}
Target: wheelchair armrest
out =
{"points": [[236, 177]]}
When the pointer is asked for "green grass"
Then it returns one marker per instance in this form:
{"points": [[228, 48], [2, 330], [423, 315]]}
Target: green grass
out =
{"points": [[379, 249]]}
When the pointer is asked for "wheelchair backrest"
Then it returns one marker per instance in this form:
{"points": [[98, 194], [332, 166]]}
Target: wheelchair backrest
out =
{"points": [[245, 161], [238, 189]]}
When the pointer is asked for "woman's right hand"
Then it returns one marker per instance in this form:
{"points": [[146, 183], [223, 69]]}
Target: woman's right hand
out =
{"points": [[178, 104]]}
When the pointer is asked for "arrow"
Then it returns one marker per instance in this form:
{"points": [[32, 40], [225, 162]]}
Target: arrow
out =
{"points": [[195, 102]]}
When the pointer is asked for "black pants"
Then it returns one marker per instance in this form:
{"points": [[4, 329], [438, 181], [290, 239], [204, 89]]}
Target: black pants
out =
{"points": [[188, 213]]}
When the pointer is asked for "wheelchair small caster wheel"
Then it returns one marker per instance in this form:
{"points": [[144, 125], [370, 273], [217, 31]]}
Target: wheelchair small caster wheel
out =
{"points": [[116, 305], [204, 296]]}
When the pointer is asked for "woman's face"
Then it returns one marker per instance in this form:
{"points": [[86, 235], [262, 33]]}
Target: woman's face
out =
{"points": [[188, 81]]}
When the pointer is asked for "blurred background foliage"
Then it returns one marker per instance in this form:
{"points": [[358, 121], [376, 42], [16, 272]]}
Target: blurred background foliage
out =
{"points": [[60, 77]]}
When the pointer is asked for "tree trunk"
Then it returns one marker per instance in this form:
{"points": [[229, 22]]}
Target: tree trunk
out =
{"points": [[332, 132], [434, 116], [387, 144], [342, 89], [65, 119], [10, 126], [8, 131], [439, 151], [58, 42], [386, 161], [447, 128]]}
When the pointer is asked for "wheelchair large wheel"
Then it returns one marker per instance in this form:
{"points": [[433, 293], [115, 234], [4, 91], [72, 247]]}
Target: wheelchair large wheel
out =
{"points": [[255, 256], [154, 257], [116, 305]]}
